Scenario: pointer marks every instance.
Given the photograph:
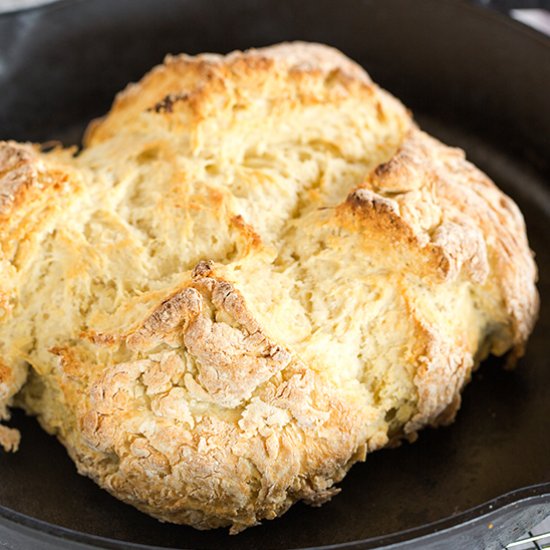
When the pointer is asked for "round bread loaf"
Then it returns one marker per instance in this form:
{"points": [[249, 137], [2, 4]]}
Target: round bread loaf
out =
{"points": [[257, 270]]}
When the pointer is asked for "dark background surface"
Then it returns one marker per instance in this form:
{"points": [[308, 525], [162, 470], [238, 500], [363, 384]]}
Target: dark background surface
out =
{"points": [[475, 80]]}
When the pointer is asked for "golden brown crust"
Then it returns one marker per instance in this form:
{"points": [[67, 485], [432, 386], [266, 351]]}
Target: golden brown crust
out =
{"points": [[431, 198], [32, 191], [190, 437], [18, 174], [209, 82], [267, 271], [445, 200]]}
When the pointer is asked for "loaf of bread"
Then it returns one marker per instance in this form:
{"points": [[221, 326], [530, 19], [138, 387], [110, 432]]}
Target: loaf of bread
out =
{"points": [[257, 270]]}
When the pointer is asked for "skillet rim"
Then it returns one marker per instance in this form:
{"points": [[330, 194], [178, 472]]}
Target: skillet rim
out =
{"points": [[477, 514], [480, 11]]}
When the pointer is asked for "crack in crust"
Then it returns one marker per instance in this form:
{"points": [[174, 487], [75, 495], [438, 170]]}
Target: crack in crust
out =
{"points": [[431, 194], [231, 360], [166, 105]]}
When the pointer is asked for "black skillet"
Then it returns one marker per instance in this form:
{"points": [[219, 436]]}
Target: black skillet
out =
{"points": [[473, 78]]}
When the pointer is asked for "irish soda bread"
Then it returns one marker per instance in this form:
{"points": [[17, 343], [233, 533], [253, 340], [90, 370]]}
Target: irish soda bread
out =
{"points": [[257, 270]]}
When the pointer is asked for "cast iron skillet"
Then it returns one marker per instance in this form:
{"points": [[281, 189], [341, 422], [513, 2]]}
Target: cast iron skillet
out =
{"points": [[474, 79]]}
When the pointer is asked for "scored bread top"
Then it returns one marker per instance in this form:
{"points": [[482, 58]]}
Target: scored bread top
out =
{"points": [[256, 270]]}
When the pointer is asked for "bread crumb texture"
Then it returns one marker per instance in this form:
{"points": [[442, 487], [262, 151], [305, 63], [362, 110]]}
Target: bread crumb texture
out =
{"points": [[257, 270]]}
